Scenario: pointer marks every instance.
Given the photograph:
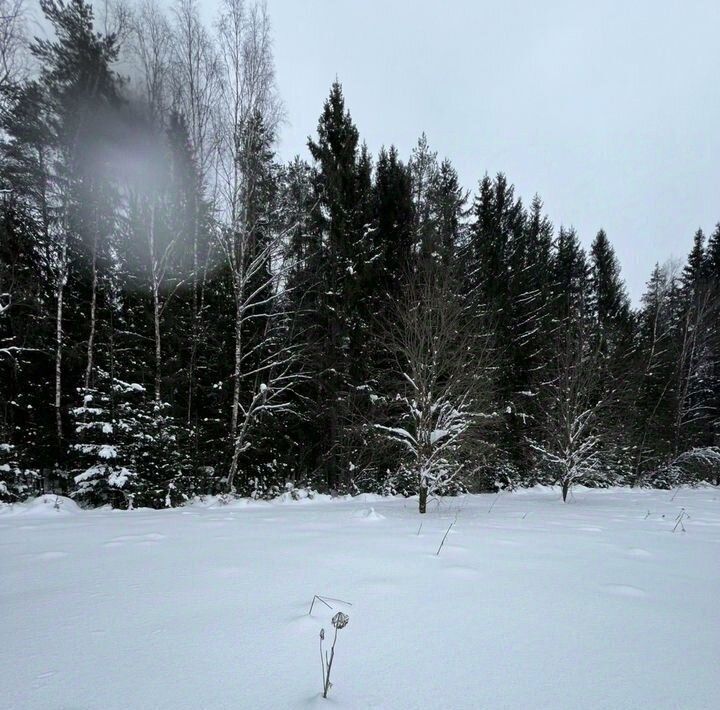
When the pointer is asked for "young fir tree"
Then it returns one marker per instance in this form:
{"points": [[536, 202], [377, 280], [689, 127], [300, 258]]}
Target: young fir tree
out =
{"points": [[107, 430]]}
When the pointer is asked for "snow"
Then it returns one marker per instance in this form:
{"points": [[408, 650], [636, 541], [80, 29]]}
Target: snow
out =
{"points": [[119, 477], [50, 506], [438, 435], [107, 452], [368, 514], [531, 603], [104, 451]]}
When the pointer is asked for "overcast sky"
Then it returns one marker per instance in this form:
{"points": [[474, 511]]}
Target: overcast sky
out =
{"points": [[609, 110]]}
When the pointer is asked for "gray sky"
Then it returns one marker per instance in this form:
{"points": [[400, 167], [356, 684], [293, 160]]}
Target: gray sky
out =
{"points": [[609, 110]]}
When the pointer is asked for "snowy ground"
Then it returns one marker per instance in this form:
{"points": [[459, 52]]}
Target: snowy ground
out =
{"points": [[535, 604]]}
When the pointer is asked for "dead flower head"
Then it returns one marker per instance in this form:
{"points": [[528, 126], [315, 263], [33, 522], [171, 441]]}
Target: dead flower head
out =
{"points": [[340, 620]]}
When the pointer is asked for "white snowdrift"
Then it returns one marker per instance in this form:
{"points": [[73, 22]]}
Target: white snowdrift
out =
{"points": [[43, 506]]}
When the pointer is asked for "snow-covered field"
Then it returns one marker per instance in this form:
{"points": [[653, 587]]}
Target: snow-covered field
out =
{"points": [[533, 604]]}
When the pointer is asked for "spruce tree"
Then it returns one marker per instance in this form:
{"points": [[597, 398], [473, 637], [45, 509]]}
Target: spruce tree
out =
{"points": [[343, 246], [612, 340]]}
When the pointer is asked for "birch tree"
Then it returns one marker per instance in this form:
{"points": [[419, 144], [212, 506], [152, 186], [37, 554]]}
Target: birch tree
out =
{"points": [[264, 368], [196, 91], [151, 46]]}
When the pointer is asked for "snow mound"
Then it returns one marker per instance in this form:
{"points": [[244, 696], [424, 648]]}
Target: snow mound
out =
{"points": [[302, 495], [368, 514], [45, 505], [226, 502]]}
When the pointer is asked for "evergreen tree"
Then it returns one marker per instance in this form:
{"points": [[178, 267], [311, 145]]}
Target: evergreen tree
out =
{"points": [[612, 339], [608, 300], [498, 224], [699, 311], [655, 371], [106, 424], [340, 179], [529, 322], [447, 214]]}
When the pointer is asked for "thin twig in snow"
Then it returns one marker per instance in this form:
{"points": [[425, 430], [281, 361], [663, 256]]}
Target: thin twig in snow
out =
{"points": [[325, 600], [437, 554], [495, 501], [679, 520]]}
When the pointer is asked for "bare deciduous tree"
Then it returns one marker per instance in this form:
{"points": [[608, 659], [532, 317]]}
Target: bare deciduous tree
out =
{"points": [[569, 409], [195, 93], [441, 384], [195, 82], [151, 46], [265, 372], [13, 42]]}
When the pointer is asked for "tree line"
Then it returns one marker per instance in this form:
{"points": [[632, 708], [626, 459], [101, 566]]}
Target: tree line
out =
{"points": [[181, 313]]}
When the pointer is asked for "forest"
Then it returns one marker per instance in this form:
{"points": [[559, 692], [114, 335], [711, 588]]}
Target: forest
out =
{"points": [[183, 314]]}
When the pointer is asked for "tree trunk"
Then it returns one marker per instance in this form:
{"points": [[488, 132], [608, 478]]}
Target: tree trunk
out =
{"points": [[236, 392], [237, 367], [158, 345], [156, 279], [422, 503], [93, 311], [195, 310], [59, 343], [565, 489]]}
